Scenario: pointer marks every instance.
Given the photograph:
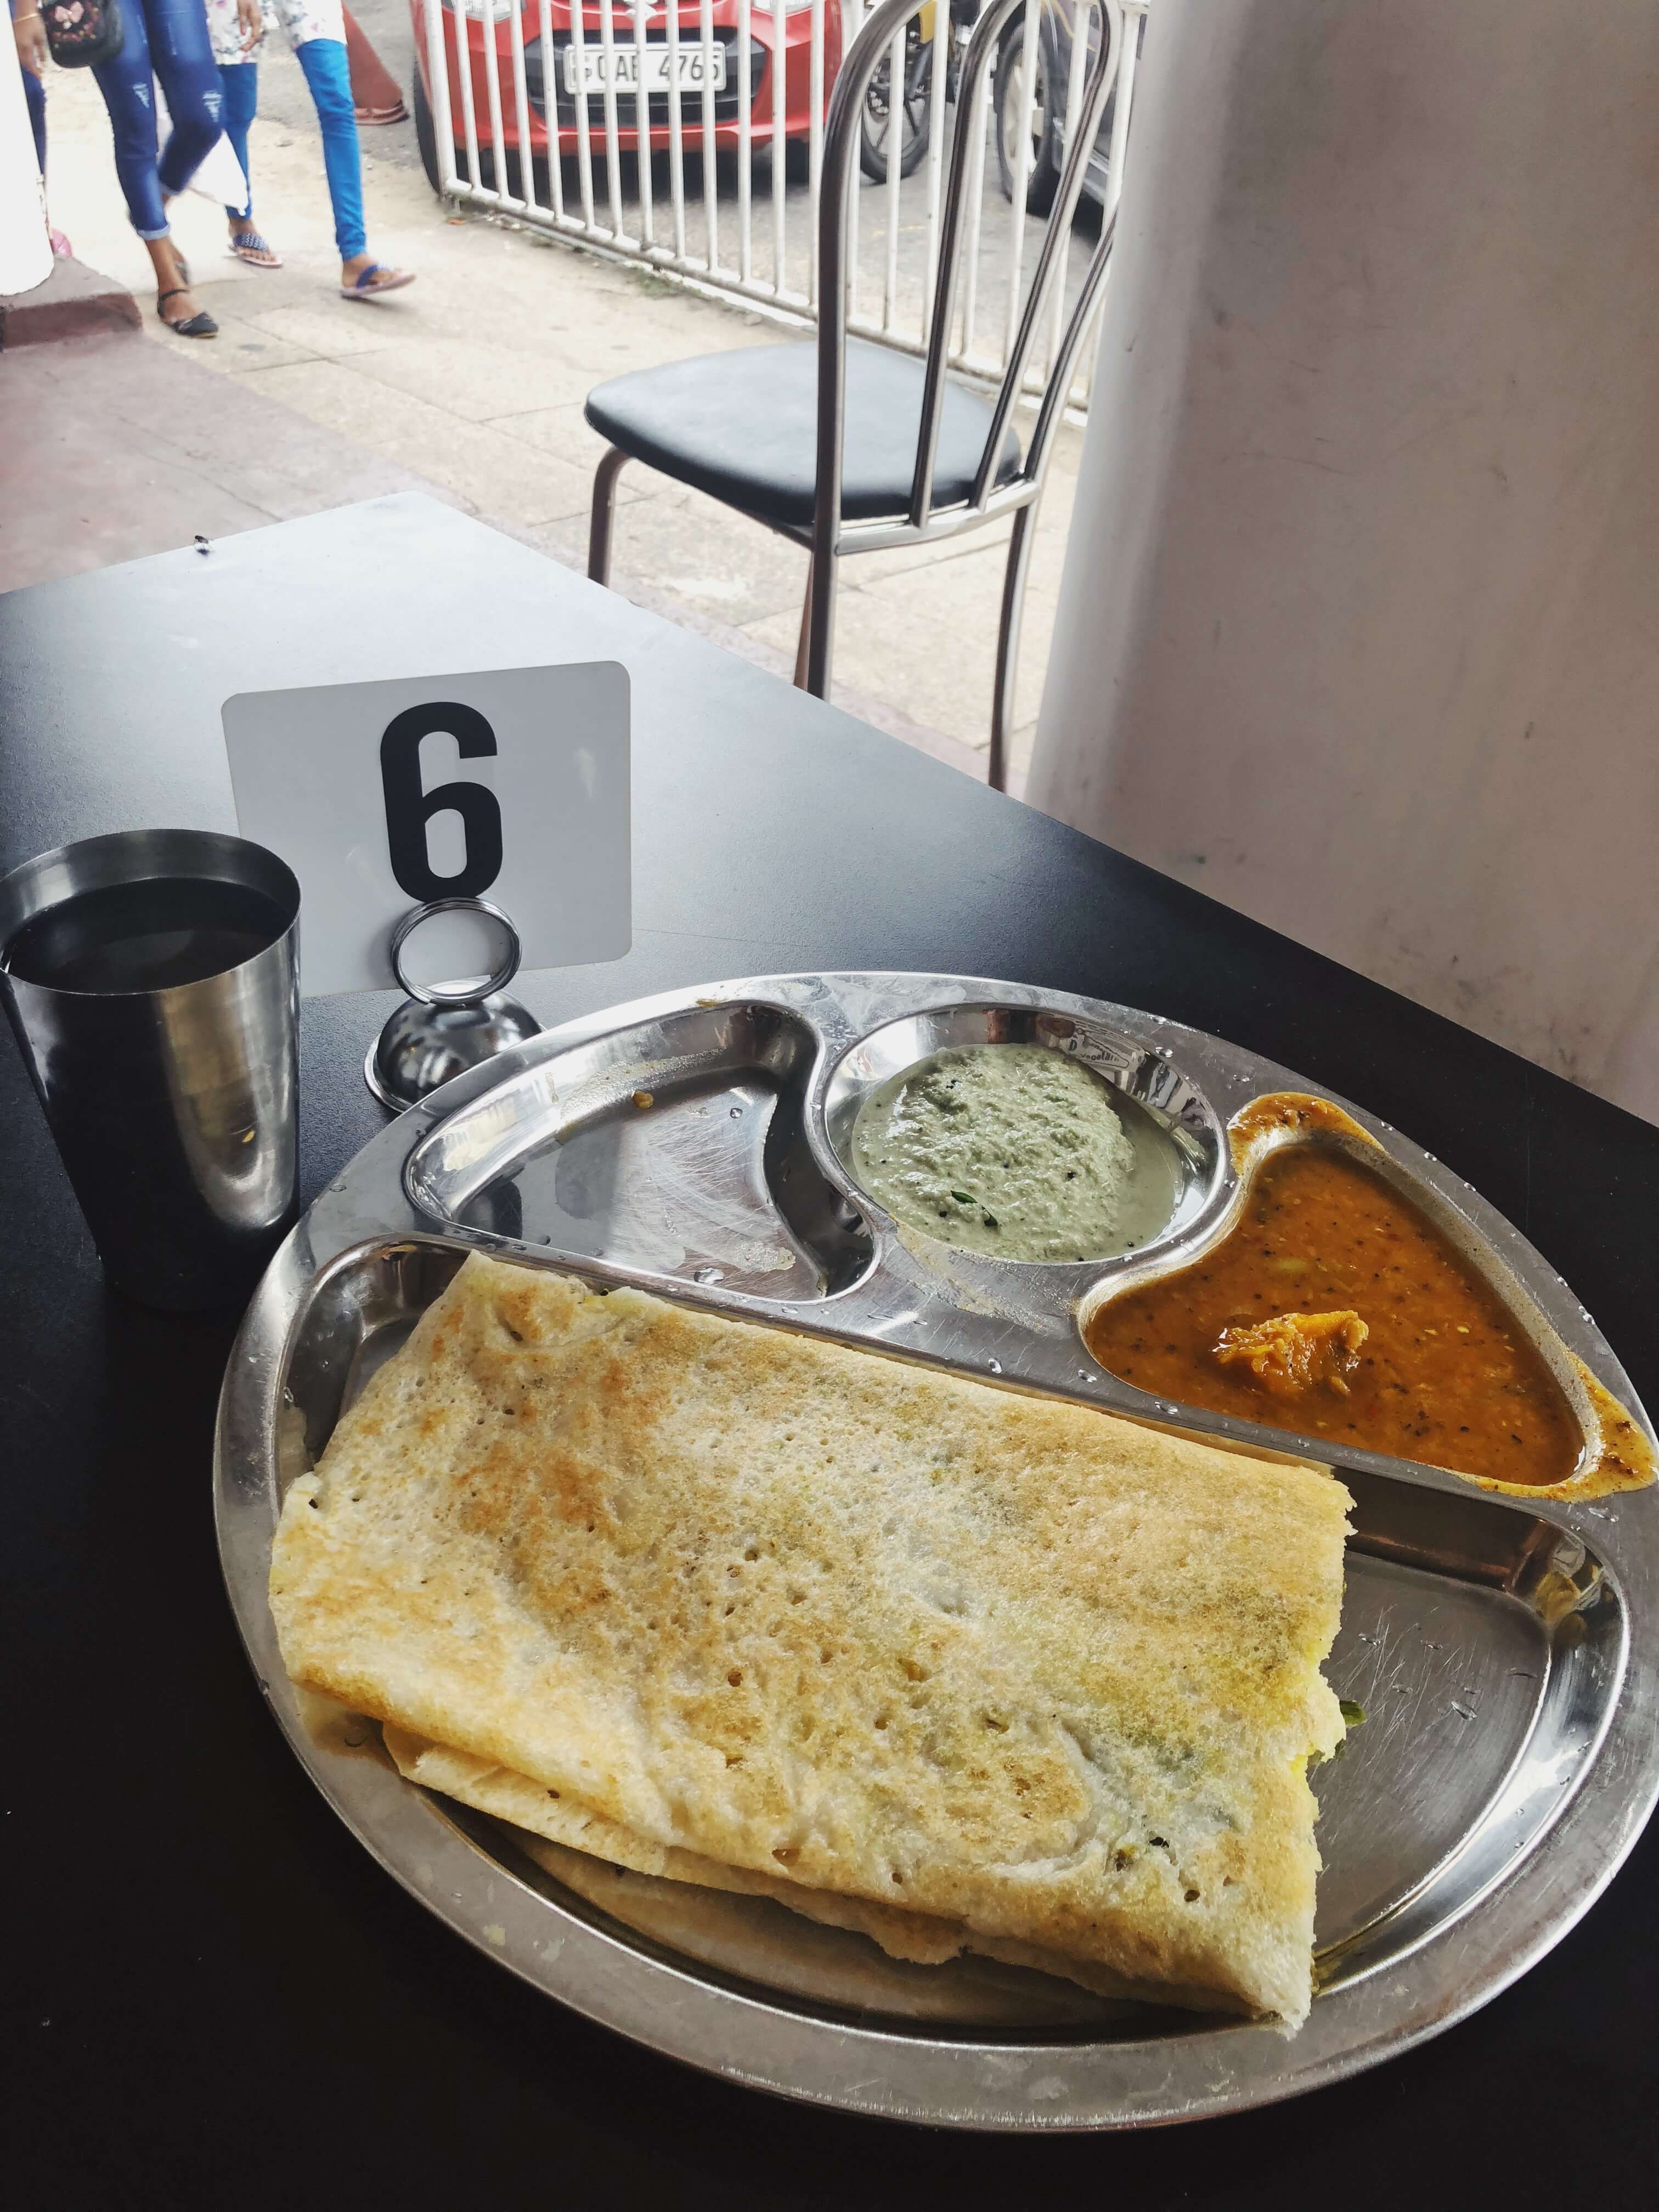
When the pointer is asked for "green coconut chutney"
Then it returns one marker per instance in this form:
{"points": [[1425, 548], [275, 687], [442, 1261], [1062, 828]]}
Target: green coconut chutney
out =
{"points": [[1013, 1149]]}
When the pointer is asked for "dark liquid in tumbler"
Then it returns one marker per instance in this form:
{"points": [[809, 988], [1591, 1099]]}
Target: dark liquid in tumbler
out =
{"points": [[144, 936]]}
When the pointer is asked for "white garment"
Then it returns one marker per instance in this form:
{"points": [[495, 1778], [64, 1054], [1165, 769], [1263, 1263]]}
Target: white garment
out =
{"points": [[220, 177], [301, 19]]}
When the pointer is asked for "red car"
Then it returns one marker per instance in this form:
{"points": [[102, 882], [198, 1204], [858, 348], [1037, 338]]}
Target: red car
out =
{"points": [[786, 27]]}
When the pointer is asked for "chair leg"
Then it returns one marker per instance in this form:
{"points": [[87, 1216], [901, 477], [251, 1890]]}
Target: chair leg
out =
{"points": [[1013, 599], [803, 643], [817, 628], [605, 503]]}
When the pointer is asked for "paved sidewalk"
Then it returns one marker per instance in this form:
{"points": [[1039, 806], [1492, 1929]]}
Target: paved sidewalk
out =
{"points": [[134, 449], [473, 379]]}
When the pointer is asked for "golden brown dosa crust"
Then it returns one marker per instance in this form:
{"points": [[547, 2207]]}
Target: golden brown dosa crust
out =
{"points": [[576, 1838], [841, 1621]]}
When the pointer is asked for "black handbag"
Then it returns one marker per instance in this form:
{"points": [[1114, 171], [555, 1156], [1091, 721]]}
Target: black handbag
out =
{"points": [[81, 34]]}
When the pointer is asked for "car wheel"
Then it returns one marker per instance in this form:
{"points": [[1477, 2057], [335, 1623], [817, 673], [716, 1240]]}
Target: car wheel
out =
{"points": [[1008, 104], [425, 136]]}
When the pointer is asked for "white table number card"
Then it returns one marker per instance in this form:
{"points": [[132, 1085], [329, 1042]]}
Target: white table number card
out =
{"points": [[511, 785]]}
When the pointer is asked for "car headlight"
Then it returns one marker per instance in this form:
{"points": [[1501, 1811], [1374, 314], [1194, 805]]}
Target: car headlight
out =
{"points": [[788, 7], [485, 11]]}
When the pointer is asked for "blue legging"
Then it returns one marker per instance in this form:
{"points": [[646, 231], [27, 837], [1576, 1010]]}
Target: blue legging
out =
{"points": [[168, 39], [324, 61], [35, 93]]}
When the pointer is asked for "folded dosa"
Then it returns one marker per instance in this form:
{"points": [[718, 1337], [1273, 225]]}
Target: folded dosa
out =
{"points": [[840, 1622], [567, 1839]]}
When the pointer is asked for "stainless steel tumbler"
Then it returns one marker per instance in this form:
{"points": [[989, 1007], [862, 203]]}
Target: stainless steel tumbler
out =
{"points": [[152, 977]]}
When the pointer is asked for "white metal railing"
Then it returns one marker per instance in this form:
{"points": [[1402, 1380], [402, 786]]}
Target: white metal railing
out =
{"points": [[542, 113]]}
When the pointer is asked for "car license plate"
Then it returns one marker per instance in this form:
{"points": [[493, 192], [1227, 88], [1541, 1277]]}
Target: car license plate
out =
{"points": [[696, 68]]}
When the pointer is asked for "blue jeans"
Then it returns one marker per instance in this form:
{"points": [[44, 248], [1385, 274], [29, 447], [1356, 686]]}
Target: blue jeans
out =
{"points": [[168, 39], [35, 93], [324, 61]]}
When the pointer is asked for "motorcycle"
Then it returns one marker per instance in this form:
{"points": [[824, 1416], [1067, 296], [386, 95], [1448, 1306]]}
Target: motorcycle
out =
{"points": [[906, 118]]}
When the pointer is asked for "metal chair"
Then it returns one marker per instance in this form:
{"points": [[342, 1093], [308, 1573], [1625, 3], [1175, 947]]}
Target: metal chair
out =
{"points": [[852, 448]]}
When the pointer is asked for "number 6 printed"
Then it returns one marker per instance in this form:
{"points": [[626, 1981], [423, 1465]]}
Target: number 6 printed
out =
{"points": [[409, 809]]}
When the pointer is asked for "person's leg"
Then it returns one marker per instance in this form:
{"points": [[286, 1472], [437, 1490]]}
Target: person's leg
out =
{"points": [[182, 52], [35, 93], [239, 83], [125, 82], [324, 61], [239, 89]]}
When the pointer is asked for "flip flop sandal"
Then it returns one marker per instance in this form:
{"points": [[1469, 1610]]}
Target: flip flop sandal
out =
{"points": [[201, 324], [248, 246], [397, 114], [367, 289]]}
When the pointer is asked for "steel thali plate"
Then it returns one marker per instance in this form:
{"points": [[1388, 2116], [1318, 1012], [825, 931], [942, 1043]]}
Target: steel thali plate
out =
{"points": [[1506, 1648]]}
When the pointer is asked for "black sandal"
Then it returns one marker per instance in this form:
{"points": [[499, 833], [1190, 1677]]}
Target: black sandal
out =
{"points": [[201, 324]]}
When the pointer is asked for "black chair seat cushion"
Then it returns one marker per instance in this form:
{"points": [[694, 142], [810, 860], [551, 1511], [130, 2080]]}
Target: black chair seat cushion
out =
{"points": [[743, 427]]}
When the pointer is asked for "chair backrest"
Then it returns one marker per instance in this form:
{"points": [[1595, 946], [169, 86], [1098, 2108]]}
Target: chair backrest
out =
{"points": [[837, 240]]}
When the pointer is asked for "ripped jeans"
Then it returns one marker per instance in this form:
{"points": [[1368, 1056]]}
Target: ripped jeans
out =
{"points": [[169, 39]]}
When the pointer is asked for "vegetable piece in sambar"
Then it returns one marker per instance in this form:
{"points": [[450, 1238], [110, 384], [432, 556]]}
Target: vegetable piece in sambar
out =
{"points": [[1262, 1327]]}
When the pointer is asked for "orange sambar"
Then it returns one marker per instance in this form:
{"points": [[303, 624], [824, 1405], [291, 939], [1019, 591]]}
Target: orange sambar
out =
{"points": [[1445, 1374]]}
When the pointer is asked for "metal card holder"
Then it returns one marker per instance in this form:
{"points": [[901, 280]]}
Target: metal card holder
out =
{"points": [[442, 1030]]}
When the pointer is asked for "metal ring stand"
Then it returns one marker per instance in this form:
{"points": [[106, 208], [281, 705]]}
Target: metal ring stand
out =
{"points": [[467, 994], [439, 1031]]}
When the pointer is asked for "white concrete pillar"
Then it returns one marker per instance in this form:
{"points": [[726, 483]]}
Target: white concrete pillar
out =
{"points": [[1359, 625], [25, 248]]}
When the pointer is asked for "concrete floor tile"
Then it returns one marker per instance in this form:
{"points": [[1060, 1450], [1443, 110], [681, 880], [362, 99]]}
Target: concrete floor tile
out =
{"points": [[1053, 527], [81, 512], [861, 571], [243, 344], [1019, 757], [564, 542], [562, 432], [138, 449], [486, 470], [1054, 519], [478, 382], [336, 330], [927, 640], [235, 437], [567, 542], [699, 554]]}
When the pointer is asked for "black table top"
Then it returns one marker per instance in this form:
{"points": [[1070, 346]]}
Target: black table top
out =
{"points": [[217, 1997]]}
